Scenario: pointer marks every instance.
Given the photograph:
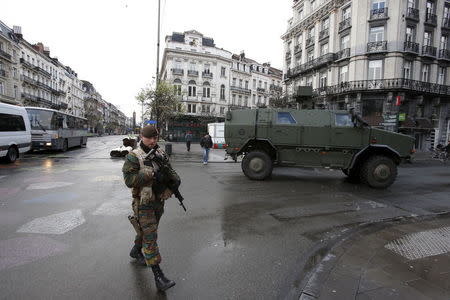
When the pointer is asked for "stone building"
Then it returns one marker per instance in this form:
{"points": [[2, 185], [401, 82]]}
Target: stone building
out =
{"points": [[388, 59], [9, 72]]}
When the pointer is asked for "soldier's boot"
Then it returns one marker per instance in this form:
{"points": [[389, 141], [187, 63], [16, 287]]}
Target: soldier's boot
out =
{"points": [[162, 282], [137, 254]]}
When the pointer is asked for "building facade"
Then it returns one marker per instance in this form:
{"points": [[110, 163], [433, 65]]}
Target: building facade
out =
{"points": [[387, 59], [210, 80], [9, 72]]}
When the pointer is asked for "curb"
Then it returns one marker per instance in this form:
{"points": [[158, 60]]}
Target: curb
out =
{"points": [[321, 259]]}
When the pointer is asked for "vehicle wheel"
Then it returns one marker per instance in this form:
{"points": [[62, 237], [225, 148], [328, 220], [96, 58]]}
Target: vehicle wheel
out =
{"points": [[257, 165], [65, 146], [12, 154], [379, 172]]}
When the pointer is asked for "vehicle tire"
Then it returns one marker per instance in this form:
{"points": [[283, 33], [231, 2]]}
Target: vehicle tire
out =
{"points": [[12, 154], [257, 165], [65, 146], [379, 172]]}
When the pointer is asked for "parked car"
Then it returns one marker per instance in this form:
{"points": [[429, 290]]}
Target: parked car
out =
{"points": [[15, 133]]}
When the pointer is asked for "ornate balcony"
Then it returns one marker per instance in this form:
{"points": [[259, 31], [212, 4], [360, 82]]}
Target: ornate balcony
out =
{"points": [[347, 23], [309, 41], [313, 64], [64, 105], [207, 75], [192, 73], [412, 14], [444, 54], [379, 14], [29, 97], [431, 19], [297, 49], [275, 88], [240, 90], [375, 47], [27, 64], [2, 73], [261, 90], [411, 47], [429, 51], [44, 72], [324, 34], [446, 23], [288, 55], [5, 55], [395, 84], [29, 80], [343, 54], [45, 101], [176, 71]]}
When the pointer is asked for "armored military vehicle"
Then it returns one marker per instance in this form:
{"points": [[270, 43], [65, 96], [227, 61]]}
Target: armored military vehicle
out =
{"points": [[314, 138]]}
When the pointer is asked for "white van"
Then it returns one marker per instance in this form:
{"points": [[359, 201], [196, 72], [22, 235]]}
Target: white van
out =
{"points": [[15, 134]]}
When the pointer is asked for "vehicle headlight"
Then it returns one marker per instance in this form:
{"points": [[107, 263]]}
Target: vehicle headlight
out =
{"points": [[48, 144], [55, 136]]}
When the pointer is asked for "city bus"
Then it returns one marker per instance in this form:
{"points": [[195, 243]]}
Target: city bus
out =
{"points": [[55, 130]]}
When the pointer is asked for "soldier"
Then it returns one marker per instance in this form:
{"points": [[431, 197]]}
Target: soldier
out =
{"points": [[142, 175]]}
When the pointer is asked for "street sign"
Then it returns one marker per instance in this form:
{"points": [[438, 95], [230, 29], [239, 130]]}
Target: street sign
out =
{"points": [[402, 117], [150, 122]]}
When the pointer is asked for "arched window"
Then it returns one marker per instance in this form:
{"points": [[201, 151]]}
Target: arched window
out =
{"points": [[222, 92], [192, 89], [206, 90], [177, 86]]}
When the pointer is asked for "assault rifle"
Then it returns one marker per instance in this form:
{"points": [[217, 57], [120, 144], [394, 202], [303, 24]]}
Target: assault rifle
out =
{"points": [[168, 180]]}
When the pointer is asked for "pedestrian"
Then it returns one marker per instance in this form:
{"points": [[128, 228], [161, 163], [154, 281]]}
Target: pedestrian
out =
{"points": [[141, 174], [206, 143], [447, 149], [188, 139]]}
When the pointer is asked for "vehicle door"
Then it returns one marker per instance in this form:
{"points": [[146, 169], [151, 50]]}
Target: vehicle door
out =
{"points": [[284, 134]]}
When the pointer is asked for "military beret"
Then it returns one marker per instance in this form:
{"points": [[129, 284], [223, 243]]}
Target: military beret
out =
{"points": [[149, 131]]}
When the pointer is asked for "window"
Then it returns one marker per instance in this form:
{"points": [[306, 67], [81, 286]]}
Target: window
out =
{"points": [[222, 92], [260, 84], [177, 86], [310, 56], [410, 33], [324, 49], [313, 5], [10, 122], [240, 83], [411, 3], [222, 110], [234, 82], [259, 99], [345, 42], [309, 81], [192, 89], [222, 71], [299, 39], [376, 34], [326, 24], [300, 13], [285, 118], [207, 69], [343, 120], [323, 79], [246, 84], [407, 69], [346, 13], [254, 99], [265, 85], [378, 4], [246, 101], [425, 72], [234, 99], [16, 92], [240, 100], [206, 90], [311, 33], [444, 42], [441, 75], [343, 74], [427, 38], [446, 15], [375, 69], [430, 8]]}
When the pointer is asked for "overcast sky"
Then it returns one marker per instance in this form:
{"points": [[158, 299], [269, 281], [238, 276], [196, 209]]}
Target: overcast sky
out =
{"points": [[112, 43]]}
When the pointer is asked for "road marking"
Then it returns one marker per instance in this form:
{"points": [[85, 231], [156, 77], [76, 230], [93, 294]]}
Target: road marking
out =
{"points": [[54, 224], [53, 198], [422, 244], [113, 209], [23, 250], [107, 178], [47, 185], [1, 177]]}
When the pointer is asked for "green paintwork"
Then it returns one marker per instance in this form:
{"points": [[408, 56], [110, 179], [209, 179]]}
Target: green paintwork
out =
{"points": [[314, 139]]}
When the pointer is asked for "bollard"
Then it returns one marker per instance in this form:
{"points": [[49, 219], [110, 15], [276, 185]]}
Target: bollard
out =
{"points": [[168, 149]]}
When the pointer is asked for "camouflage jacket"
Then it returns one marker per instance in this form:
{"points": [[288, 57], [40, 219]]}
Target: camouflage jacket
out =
{"points": [[134, 178]]}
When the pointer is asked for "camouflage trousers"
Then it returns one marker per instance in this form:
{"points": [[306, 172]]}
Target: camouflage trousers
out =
{"points": [[148, 217]]}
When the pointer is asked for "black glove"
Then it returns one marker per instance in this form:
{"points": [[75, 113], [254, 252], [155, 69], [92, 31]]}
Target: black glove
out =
{"points": [[159, 176]]}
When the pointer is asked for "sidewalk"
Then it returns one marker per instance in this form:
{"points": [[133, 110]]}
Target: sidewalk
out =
{"points": [[179, 152], [403, 261]]}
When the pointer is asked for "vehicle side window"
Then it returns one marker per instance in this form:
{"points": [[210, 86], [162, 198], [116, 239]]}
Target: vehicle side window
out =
{"points": [[343, 120], [10, 122], [285, 118]]}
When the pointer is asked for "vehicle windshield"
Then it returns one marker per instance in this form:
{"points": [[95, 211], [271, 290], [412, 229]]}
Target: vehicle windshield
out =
{"points": [[42, 119], [344, 120]]}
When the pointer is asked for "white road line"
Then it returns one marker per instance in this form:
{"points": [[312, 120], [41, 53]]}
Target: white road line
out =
{"points": [[54, 224], [422, 244], [113, 209], [47, 185], [107, 178]]}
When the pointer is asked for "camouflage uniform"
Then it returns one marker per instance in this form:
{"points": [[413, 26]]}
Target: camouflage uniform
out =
{"points": [[148, 207]]}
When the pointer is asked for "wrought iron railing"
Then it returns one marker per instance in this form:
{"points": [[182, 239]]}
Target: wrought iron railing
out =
{"points": [[379, 46], [412, 13], [310, 41], [5, 54], [176, 71], [261, 90], [297, 48], [444, 54], [207, 75], [192, 73], [446, 23], [411, 47], [380, 13], [44, 72], [315, 63], [64, 105], [2, 73], [398, 84], [429, 50], [276, 88], [344, 53], [240, 89], [29, 80], [431, 19], [347, 23], [324, 34], [26, 63], [29, 97]]}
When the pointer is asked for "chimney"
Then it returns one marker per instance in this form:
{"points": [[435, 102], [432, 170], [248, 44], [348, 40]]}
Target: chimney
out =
{"points": [[39, 47], [242, 56], [47, 51], [18, 31]]}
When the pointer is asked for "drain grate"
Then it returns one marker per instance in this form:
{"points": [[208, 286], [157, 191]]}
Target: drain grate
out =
{"points": [[422, 244]]}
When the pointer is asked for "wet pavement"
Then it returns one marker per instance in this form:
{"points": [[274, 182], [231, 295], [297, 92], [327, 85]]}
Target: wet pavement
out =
{"points": [[64, 231]]}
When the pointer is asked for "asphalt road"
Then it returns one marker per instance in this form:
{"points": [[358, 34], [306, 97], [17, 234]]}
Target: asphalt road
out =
{"points": [[64, 231]]}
